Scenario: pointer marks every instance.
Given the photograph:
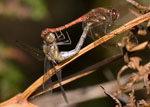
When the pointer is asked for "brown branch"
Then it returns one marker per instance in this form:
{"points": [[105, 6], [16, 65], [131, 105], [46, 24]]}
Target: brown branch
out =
{"points": [[138, 6], [101, 40], [21, 98], [82, 73], [81, 94]]}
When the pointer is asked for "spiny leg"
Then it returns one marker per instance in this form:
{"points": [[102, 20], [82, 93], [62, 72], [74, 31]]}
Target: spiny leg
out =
{"points": [[60, 36], [66, 42]]}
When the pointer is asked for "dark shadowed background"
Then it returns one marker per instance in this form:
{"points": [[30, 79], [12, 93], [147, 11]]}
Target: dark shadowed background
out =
{"points": [[23, 21]]}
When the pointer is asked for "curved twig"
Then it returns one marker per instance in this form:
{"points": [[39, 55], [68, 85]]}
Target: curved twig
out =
{"points": [[101, 40], [82, 73]]}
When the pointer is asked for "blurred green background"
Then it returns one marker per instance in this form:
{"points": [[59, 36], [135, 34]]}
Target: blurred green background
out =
{"points": [[23, 20]]}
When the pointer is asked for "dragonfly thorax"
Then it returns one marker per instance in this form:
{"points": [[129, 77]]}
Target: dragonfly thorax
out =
{"points": [[102, 15], [52, 52]]}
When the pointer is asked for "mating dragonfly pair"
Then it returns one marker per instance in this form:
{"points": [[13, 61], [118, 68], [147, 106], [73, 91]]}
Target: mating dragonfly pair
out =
{"points": [[93, 19]]}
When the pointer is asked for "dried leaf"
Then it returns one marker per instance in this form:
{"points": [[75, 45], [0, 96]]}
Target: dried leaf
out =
{"points": [[131, 100], [117, 102]]}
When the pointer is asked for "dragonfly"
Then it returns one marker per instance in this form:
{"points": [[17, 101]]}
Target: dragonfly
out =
{"points": [[52, 53], [97, 16], [52, 40]]}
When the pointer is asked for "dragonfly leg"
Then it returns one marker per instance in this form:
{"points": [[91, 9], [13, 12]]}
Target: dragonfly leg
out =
{"points": [[66, 42], [60, 36]]}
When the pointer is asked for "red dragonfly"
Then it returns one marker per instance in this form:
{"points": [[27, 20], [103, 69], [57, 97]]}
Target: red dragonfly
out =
{"points": [[97, 16], [94, 18]]}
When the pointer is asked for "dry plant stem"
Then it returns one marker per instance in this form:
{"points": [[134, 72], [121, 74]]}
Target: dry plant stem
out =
{"points": [[56, 85], [119, 73], [118, 104], [101, 40], [81, 94], [137, 5], [139, 47], [82, 73]]}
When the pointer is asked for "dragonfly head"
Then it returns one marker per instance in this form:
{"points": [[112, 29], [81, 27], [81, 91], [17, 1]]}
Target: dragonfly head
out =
{"points": [[50, 38], [114, 14]]}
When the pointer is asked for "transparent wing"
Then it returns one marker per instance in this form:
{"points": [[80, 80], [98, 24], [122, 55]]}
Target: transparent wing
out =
{"points": [[59, 76], [99, 29], [36, 53], [47, 66]]}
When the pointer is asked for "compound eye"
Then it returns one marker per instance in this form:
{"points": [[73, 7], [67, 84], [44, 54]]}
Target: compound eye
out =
{"points": [[44, 33], [50, 38], [114, 14]]}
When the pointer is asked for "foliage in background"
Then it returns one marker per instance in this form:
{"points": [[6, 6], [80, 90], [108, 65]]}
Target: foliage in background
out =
{"points": [[10, 76], [38, 9], [23, 9]]}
